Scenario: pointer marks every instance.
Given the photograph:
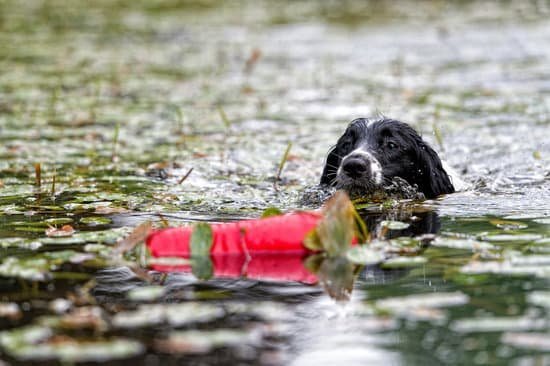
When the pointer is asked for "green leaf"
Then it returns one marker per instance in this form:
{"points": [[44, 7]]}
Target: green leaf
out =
{"points": [[338, 227], [312, 241], [271, 211], [201, 240], [283, 161], [313, 262], [95, 220], [202, 267]]}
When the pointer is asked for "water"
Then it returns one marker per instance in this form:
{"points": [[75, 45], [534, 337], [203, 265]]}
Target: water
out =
{"points": [[119, 100]]}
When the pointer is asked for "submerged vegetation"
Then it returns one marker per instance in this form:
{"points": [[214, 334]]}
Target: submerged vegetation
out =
{"points": [[120, 116]]}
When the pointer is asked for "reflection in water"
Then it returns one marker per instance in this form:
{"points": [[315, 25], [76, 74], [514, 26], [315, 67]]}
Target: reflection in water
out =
{"points": [[318, 329]]}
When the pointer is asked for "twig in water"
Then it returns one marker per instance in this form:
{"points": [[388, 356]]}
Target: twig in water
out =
{"points": [[252, 60], [185, 176], [437, 131], [282, 164], [114, 156], [37, 175], [224, 118], [53, 182]]}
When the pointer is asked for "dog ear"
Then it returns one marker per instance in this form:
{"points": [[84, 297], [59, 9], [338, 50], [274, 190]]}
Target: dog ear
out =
{"points": [[434, 179], [331, 166]]}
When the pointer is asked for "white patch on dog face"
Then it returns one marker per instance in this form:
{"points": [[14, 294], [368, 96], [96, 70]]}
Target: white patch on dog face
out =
{"points": [[375, 166]]}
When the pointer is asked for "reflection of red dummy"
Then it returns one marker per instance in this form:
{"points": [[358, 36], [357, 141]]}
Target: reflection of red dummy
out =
{"points": [[276, 267], [270, 248]]}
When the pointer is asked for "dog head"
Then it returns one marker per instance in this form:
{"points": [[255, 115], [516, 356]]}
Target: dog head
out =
{"points": [[371, 153]]}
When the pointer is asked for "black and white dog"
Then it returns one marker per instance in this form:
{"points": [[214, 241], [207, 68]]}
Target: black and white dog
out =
{"points": [[371, 154]]}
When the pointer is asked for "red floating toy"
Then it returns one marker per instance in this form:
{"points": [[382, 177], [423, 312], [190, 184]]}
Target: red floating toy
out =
{"points": [[275, 234], [268, 248]]}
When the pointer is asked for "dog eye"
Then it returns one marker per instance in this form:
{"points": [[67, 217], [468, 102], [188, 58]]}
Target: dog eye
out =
{"points": [[392, 145], [346, 145]]}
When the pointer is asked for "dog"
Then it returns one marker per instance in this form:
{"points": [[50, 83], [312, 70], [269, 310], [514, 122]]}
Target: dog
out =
{"points": [[373, 154]]}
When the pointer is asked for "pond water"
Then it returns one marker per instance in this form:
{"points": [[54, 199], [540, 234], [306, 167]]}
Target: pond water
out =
{"points": [[181, 111]]}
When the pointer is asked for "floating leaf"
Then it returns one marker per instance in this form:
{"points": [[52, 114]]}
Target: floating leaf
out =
{"points": [[10, 310], [271, 211], [19, 243], [34, 343], [203, 341], [520, 238], [265, 310], [146, 293], [95, 220], [540, 298], [531, 341], [404, 262], [13, 339], [364, 255], [60, 305], [410, 305], [85, 317], [173, 314], [508, 225], [58, 221], [468, 244], [505, 268], [497, 324], [36, 267], [394, 225], [60, 240], [65, 230]]}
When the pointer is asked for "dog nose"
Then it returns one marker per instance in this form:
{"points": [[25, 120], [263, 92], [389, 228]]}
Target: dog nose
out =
{"points": [[355, 166]]}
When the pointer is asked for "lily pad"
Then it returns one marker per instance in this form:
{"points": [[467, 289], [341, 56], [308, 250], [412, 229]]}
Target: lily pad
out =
{"points": [[146, 293], [509, 238], [32, 343], [394, 225], [21, 243], [11, 340], [58, 221], [95, 220], [508, 225], [61, 240], [530, 341], [405, 304], [110, 236], [172, 314], [37, 267], [540, 298], [497, 324], [10, 310], [364, 255], [203, 341], [404, 262], [467, 244]]}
